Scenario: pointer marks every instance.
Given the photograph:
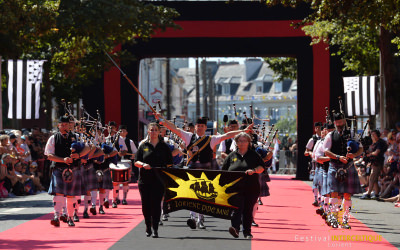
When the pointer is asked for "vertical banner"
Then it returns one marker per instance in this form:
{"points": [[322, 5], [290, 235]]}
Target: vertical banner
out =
{"points": [[210, 192]]}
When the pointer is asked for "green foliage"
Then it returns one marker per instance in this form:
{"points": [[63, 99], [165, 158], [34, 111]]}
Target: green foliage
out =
{"points": [[286, 126], [72, 35], [283, 67]]}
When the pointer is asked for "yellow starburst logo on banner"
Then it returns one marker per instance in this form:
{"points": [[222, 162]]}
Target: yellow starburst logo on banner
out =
{"points": [[202, 188]]}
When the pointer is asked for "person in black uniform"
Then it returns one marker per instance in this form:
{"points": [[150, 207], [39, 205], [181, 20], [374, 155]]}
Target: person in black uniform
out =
{"points": [[247, 160], [153, 153]]}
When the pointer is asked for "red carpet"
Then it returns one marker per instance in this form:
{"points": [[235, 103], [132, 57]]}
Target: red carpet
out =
{"points": [[288, 221], [98, 232]]}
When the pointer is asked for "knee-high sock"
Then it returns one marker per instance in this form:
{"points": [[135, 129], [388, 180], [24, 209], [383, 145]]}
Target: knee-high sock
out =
{"points": [[77, 203], [87, 200], [70, 206], [94, 197], [326, 204], [335, 206], [57, 203], [126, 190], [64, 205], [115, 193], [107, 194], [315, 191], [347, 208], [101, 198], [255, 209]]}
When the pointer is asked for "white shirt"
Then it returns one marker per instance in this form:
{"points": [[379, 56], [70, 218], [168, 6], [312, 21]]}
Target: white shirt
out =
{"points": [[50, 148], [318, 150], [121, 142], [310, 144], [186, 136], [328, 142], [222, 147]]}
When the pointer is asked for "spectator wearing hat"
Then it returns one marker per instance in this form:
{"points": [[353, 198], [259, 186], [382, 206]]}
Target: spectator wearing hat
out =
{"points": [[200, 149]]}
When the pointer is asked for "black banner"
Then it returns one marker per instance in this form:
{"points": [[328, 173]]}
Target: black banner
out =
{"points": [[210, 192]]}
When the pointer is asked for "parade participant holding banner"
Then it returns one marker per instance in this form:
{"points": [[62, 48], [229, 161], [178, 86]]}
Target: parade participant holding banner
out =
{"points": [[335, 146], [153, 153], [247, 160], [63, 182], [200, 149]]}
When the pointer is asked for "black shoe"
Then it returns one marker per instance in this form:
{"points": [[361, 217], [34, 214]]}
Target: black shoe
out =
{"points": [[114, 205], [155, 234], [93, 210], [200, 225], [106, 204], [70, 222], [254, 224], [365, 197], [234, 232], [346, 225], [101, 211], [148, 232], [117, 201], [319, 211], [323, 216], [164, 217], [260, 202], [85, 214], [248, 236], [315, 203], [191, 223], [124, 202], [55, 222], [334, 223], [64, 218], [380, 200], [75, 218]]}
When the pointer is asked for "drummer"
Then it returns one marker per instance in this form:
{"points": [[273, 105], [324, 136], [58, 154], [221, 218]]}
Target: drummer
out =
{"points": [[126, 150]]}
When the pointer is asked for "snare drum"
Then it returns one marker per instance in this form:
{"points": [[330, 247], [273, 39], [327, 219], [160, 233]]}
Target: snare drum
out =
{"points": [[121, 172]]}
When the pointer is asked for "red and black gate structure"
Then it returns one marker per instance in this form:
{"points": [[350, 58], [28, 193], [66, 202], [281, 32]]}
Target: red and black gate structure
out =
{"points": [[236, 29]]}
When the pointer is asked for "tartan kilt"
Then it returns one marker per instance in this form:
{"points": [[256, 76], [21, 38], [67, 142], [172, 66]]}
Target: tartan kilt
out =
{"points": [[58, 186], [324, 181], [351, 185], [107, 181], [89, 178], [317, 176], [264, 189]]}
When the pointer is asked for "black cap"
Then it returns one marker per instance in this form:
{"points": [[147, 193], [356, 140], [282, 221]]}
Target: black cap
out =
{"points": [[338, 116], [318, 124], [12, 136], [63, 118], [330, 126], [112, 123], [232, 122], [191, 124], [123, 127], [202, 120]]}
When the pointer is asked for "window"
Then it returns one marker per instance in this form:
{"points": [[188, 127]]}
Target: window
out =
{"points": [[259, 88], [225, 89], [278, 87]]}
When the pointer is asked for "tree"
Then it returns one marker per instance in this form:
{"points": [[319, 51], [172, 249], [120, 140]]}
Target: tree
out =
{"points": [[73, 35], [284, 67], [361, 30]]}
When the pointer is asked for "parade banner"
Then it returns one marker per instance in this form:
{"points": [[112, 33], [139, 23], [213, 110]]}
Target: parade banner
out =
{"points": [[210, 192]]}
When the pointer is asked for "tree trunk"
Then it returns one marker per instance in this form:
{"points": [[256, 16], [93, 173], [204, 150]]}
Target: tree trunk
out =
{"points": [[391, 77]]}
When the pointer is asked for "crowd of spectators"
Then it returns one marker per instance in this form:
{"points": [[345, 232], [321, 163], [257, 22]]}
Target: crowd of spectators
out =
{"points": [[23, 168], [379, 166]]}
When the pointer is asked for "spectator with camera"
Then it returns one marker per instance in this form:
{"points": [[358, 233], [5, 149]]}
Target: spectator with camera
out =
{"points": [[375, 156]]}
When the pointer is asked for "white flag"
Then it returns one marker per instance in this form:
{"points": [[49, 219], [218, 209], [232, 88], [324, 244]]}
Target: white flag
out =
{"points": [[24, 81], [360, 95]]}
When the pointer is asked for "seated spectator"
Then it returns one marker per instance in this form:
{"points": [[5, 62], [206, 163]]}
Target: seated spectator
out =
{"points": [[26, 154], [20, 170], [362, 172], [4, 144], [11, 182], [35, 176], [386, 182]]}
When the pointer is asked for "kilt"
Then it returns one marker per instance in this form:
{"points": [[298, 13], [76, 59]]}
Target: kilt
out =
{"points": [[89, 178], [351, 185], [58, 186], [264, 189], [324, 181], [107, 181], [317, 176]]}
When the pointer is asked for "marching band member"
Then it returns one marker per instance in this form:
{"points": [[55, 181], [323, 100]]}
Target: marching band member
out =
{"points": [[335, 146], [64, 182], [225, 146], [200, 148], [153, 153]]}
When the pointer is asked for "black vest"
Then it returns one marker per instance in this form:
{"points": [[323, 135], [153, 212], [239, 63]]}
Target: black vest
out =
{"points": [[206, 154], [62, 146], [339, 144], [228, 144]]}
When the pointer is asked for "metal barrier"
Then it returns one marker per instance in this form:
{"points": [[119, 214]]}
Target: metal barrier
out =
{"points": [[287, 162]]}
